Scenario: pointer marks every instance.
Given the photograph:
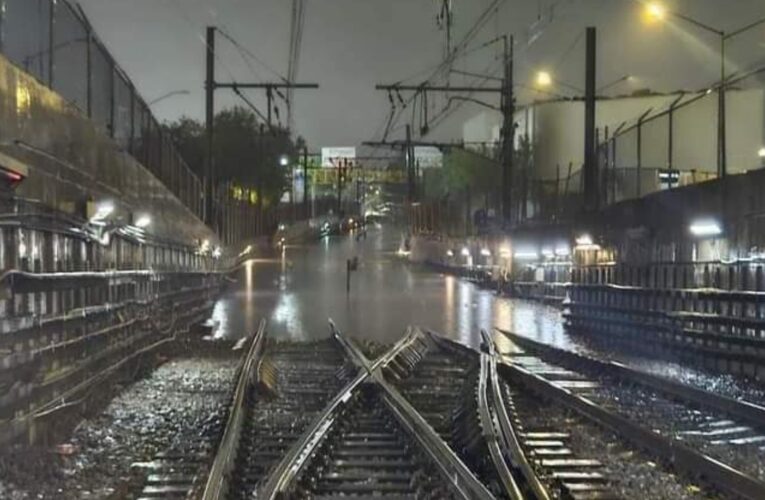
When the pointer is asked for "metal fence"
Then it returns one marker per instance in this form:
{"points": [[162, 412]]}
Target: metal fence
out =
{"points": [[678, 144], [53, 41]]}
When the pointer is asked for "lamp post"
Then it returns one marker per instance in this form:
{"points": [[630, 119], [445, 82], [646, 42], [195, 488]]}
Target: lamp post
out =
{"points": [[659, 12]]}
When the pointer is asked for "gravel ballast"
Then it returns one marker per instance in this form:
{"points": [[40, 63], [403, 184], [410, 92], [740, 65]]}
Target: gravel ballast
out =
{"points": [[182, 401]]}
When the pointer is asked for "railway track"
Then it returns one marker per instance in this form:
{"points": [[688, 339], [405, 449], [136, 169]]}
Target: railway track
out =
{"points": [[430, 418], [326, 426], [719, 440]]}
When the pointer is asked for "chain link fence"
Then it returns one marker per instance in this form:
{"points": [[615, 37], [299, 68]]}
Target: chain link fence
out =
{"points": [[678, 145], [53, 41]]}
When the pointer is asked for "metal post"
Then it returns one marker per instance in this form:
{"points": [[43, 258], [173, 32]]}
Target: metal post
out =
{"points": [[131, 139], [408, 158], [51, 53], [112, 100], [2, 26], [89, 71], [670, 139], [613, 170], [209, 122], [339, 186], [606, 166], [591, 191], [305, 182], [557, 190], [639, 155], [269, 99], [722, 160], [508, 129]]}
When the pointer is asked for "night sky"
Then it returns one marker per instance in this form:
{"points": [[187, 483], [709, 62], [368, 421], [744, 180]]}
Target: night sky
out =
{"points": [[349, 45]]}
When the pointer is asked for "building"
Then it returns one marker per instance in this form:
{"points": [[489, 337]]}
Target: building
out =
{"points": [[651, 133]]}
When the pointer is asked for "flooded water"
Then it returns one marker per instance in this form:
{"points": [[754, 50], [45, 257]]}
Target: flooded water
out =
{"points": [[298, 290]]}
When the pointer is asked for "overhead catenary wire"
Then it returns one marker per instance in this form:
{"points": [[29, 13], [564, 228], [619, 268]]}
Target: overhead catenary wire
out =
{"points": [[442, 69]]}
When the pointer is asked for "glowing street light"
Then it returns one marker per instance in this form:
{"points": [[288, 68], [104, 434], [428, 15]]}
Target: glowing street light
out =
{"points": [[103, 210], [526, 255], [142, 222], [706, 227], [655, 11], [761, 152], [544, 79], [465, 252], [284, 161]]}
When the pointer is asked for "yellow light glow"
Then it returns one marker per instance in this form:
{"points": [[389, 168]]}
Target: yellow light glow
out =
{"points": [[23, 98], [544, 79], [655, 11]]}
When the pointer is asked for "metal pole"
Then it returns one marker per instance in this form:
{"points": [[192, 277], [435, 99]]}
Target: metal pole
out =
{"points": [[89, 70], [670, 139], [408, 157], [722, 162], [209, 122], [305, 182], [51, 41], [269, 98], [606, 166], [613, 170], [639, 156], [508, 126], [339, 186], [591, 191]]}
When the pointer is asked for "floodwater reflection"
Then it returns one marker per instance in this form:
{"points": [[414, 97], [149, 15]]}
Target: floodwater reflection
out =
{"points": [[298, 289]]}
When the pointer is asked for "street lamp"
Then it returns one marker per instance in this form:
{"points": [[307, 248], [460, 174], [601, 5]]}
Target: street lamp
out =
{"points": [[167, 95], [544, 79], [658, 12], [284, 161]]}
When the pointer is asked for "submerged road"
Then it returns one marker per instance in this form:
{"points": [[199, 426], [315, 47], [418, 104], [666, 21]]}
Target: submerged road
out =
{"points": [[298, 290]]}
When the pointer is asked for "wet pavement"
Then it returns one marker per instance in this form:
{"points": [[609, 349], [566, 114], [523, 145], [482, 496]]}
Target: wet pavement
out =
{"points": [[298, 290]]}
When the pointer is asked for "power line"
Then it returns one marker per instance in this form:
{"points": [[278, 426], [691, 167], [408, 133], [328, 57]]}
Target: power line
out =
{"points": [[244, 50]]}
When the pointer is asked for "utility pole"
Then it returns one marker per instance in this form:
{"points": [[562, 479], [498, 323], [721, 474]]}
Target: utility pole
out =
{"points": [[210, 87], [340, 186], [408, 144], [508, 134], [209, 119], [591, 178]]}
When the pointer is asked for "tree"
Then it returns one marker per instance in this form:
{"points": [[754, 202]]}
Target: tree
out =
{"points": [[463, 169], [246, 152]]}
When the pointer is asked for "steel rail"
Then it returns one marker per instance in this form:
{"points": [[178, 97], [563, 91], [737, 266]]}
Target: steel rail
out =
{"points": [[218, 480], [751, 413], [298, 455], [683, 458], [289, 467], [491, 436], [507, 432], [462, 478]]}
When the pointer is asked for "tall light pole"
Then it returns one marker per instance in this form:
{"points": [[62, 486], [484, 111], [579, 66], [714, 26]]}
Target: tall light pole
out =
{"points": [[658, 12]]}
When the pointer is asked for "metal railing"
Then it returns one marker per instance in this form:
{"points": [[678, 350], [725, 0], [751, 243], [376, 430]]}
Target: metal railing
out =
{"points": [[53, 41]]}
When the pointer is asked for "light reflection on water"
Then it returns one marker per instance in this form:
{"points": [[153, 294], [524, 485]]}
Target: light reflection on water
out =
{"points": [[303, 286]]}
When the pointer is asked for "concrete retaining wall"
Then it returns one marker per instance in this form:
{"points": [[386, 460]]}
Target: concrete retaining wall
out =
{"points": [[71, 160]]}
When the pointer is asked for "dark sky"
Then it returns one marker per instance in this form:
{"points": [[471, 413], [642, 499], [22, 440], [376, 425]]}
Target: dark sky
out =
{"points": [[349, 45]]}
